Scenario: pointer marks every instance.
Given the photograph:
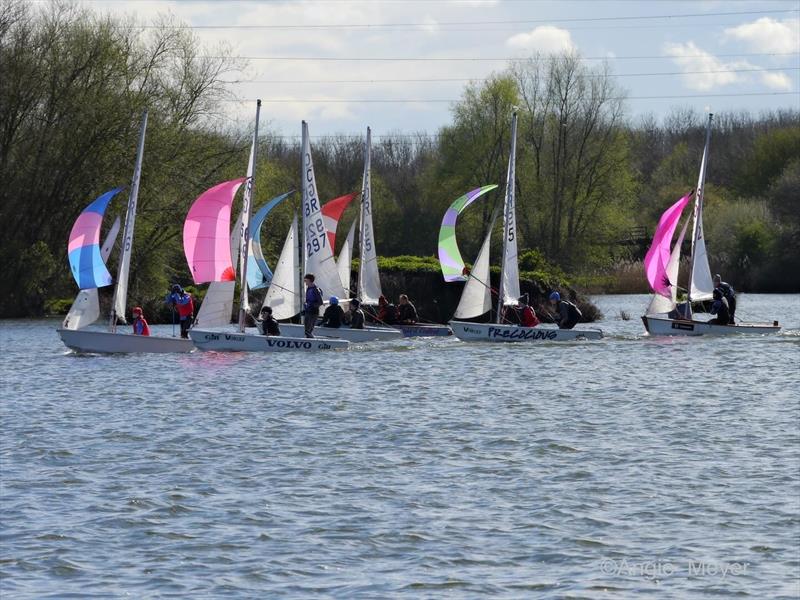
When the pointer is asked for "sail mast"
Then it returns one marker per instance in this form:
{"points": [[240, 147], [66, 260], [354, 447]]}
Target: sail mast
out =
{"points": [[121, 289], [698, 241], [509, 273], [244, 240]]}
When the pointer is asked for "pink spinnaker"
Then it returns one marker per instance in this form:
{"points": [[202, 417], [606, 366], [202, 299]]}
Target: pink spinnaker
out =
{"points": [[657, 257], [207, 233]]}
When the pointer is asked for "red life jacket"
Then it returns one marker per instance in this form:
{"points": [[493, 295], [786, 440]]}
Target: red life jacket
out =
{"points": [[186, 309], [142, 323], [529, 317]]}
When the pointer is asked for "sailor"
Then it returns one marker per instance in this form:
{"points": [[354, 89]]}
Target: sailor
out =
{"points": [[312, 304], [267, 323], [527, 316], [140, 326], [568, 314], [720, 308], [728, 293], [182, 301], [333, 315], [355, 315], [406, 312], [387, 312]]}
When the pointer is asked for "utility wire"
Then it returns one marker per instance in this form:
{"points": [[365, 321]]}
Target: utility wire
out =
{"points": [[489, 59]]}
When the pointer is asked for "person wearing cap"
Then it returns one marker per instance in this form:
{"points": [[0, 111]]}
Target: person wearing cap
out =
{"points": [[333, 315], [183, 303], [268, 324], [140, 326], [311, 305], [527, 316], [406, 312], [355, 315], [726, 289], [568, 314]]}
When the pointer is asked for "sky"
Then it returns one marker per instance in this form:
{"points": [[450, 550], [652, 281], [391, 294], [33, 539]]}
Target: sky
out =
{"points": [[717, 55]]}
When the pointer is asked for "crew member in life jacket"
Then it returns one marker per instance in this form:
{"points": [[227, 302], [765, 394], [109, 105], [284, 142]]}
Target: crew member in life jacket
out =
{"points": [[568, 314], [311, 305], [355, 316], [387, 312], [406, 312], [267, 323], [727, 293], [140, 326], [333, 315], [720, 308], [527, 316], [182, 302]]}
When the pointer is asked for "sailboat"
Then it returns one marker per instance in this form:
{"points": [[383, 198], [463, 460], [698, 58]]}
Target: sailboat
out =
{"points": [[318, 259], [206, 239], [476, 298], [87, 260], [662, 266]]}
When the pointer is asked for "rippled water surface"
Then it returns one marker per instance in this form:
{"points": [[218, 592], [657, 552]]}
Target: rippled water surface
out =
{"points": [[627, 467]]}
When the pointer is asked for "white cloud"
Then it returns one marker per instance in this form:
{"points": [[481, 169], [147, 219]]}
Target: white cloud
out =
{"points": [[545, 38], [704, 71], [768, 35]]}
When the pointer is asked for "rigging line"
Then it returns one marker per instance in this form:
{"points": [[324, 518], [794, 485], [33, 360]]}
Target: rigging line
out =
{"points": [[465, 79], [488, 59], [458, 23], [443, 100]]}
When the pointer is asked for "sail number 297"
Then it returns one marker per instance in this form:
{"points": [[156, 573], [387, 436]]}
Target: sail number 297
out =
{"points": [[316, 237]]}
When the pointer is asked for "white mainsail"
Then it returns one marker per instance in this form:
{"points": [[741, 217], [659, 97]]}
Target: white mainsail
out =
{"points": [[346, 257], [662, 304], [121, 289], [283, 295], [244, 228], [701, 286], [369, 280], [317, 253], [509, 277], [85, 310], [476, 299]]}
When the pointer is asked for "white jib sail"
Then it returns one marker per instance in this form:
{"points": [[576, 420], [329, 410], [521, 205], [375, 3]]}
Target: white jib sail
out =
{"points": [[317, 253], [509, 283], [121, 290], [369, 280], [476, 299], [283, 295], [346, 257], [85, 310], [661, 304], [701, 286]]}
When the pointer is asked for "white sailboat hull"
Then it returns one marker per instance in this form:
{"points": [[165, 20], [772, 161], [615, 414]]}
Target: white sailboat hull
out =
{"points": [[424, 330], [368, 334], [492, 332], [666, 326], [221, 341], [106, 342]]}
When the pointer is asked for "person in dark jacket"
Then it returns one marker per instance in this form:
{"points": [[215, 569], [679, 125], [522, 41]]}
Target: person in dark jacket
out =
{"points": [[568, 314], [355, 315], [268, 324], [387, 312], [311, 305], [406, 312], [183, 303], [720, 308], [728, 293], [333, 315]]}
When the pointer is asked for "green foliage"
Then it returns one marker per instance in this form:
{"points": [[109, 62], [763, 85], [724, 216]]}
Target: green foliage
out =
{"points": [[772, 152]]}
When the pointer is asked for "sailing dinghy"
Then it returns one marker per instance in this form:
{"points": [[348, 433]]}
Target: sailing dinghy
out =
{"points": [[87, 261], [662, 266], [206, 241], [476, 297], [318, 259]]}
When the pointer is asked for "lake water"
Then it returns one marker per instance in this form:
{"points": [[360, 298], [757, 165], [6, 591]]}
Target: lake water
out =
{"points": [[628, 467]]}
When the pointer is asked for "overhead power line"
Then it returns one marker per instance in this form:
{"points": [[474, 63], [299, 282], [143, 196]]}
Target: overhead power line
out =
{"points": [[467, 79], [515, 22], [450, 100]]}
